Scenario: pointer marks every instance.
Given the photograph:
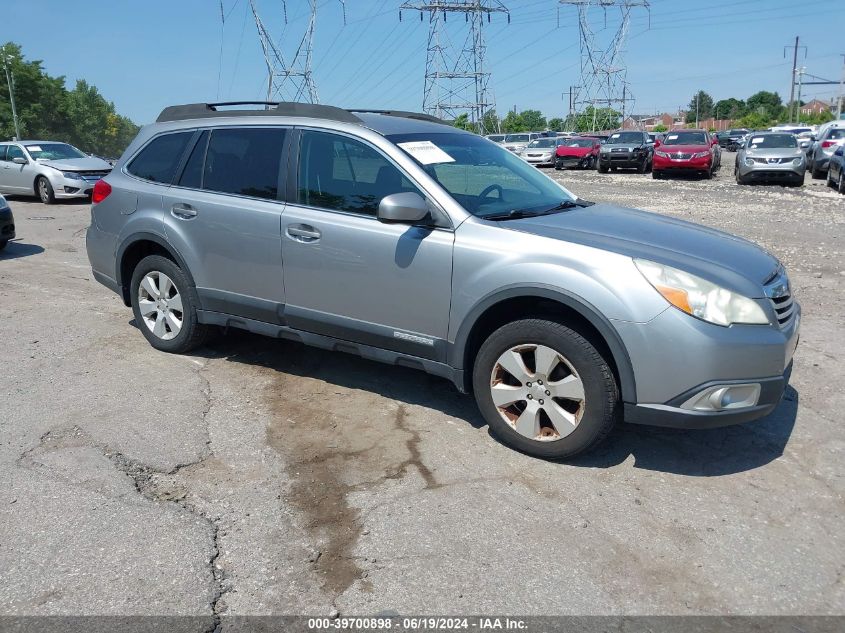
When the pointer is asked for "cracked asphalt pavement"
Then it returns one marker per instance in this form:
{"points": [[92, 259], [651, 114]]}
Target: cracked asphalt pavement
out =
{"points": [[258, 476]]}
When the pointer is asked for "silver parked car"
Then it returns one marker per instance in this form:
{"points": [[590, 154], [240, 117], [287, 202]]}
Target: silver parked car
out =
{"points": [[823, 149], [49, 170], [770, 156], [404, 240], [541, 151], [496, 138], [519, 141]]}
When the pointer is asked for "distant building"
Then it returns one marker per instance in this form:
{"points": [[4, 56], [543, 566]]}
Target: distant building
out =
{"points": [[648, 122], [815, 107]]}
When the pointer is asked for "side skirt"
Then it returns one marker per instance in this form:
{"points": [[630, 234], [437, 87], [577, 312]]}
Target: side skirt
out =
{"points": [[456, 376]]}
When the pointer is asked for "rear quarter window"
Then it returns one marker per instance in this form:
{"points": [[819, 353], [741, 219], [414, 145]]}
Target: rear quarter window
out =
{"points": [[158, 161]]}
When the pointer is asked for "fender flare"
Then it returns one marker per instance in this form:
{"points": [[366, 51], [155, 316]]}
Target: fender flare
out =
{"points": [[588, 312], [145, 236]]}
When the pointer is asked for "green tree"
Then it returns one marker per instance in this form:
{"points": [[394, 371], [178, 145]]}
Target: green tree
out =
{"points": [[700, 107], [46, 109], [766, 104], [729, 108], [556, 124], [755, 121], [533, 120], [513, 123], [462, 122], [594, 120], [490, 122], [659, 128]]}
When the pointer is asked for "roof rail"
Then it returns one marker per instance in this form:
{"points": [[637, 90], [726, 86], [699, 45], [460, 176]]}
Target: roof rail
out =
{"points": [[282, 108], [401, 113]]}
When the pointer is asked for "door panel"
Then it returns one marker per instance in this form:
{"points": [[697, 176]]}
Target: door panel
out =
{"points": [[17, 178], [347, 274]]}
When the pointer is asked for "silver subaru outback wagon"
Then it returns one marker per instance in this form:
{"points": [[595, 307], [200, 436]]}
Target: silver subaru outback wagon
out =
{"points": [[393, 236]]}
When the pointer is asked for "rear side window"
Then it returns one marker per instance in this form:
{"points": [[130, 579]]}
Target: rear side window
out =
{"points": [[192, 174], [244, 161], [160, 158], [2, 152]]}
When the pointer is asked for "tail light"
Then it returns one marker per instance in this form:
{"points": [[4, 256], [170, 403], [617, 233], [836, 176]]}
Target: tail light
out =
{"points": [[101, 191]]}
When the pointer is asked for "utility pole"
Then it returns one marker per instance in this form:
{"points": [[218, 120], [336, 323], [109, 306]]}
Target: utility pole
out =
{"points": [[801, 72], [10, 82], [841, 94], [794, 48], [697, 95]]}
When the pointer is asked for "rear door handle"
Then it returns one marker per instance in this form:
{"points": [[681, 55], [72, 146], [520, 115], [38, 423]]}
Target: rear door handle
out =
{"points": [[303, 233], [183, 211]]}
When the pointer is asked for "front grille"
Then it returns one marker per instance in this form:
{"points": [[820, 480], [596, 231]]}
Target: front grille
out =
{"points": [[780, 294], [99, 173], [772, 161], [682, 155]]}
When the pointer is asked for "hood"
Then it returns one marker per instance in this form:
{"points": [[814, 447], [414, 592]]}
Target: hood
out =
{"points": [[89, 163], [775, 152], [564, 150], [684, 149], [724, 259], [539, 150]]}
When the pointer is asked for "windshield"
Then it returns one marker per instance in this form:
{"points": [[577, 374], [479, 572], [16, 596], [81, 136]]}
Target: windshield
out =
{"points": [[544, 142], [516, 138], [579, 142], [53, 151], [772, 140], [485, 179], [686, 138], [625, 137], [497, 137], [738, 132]]}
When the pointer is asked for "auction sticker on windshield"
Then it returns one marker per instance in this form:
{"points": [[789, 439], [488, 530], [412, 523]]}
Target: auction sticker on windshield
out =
{"points": [[671, 137], [34, 148], [426, 152]]}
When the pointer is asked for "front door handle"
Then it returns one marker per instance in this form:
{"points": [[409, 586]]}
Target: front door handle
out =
{"points": [[182, 211], [303, 233]]}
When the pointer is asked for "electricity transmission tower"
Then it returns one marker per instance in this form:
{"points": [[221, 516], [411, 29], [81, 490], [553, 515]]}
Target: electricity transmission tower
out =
{"points": [[290, 80], [456, 81], [604, 83]]}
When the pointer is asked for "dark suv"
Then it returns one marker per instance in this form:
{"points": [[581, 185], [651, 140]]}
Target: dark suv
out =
{"points": [[626, 148]]}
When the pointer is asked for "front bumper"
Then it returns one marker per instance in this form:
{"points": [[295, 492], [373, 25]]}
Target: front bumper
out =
{"points": [[623, 159], [662, 163], [544, 159], [572, 161], [698, 358], [764, 171], [64, 188], [7, 225]]}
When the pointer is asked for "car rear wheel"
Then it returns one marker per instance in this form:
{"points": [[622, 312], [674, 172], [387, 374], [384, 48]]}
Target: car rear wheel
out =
{"points": [[656, 174], [44, 190], [544, 389], [841, 186], [602, 168], [3, 244], [165, 306], [815, 172]]}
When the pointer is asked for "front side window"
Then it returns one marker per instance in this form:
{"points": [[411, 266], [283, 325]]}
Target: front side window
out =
{"points": [[53, 151], [836, 133], [484, 179], [342, 174], [579, 142], [544, 142], [244, 161], [14, 152], [158, 161]]}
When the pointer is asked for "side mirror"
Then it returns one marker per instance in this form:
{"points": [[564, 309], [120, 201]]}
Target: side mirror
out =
{"points": [[20, 160], [403, 208], [657, 142]]}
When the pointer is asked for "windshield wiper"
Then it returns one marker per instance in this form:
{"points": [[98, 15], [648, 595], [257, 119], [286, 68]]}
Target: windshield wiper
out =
{"points": [[517, 214]]}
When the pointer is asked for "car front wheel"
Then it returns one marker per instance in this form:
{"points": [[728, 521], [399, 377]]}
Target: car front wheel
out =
{"points": [[544, 389], [841, 185], [3, 244], [44, 190], [165, 306]]}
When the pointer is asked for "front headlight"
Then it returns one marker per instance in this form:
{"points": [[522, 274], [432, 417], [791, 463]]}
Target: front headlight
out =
{"points": [[700, 298], [661, 154], [749, 162], [3, 203], [71, 175], [701, 154], [798, 161]]}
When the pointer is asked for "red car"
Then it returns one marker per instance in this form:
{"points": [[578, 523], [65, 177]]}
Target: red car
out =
{"points": [[578, 151], [685, 151]]}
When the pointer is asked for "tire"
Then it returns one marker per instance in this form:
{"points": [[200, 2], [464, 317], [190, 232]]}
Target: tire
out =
{"points": [[817, 174], [829, 179], [656, 175], [602, 168], [44, 190], [708, 175], [641, 169], [3, 244], [739, 179], [578, 370], [841, 185], [191, 333]]}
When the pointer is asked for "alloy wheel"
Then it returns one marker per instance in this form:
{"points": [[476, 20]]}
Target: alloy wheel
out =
{"points": [[43, 192], [160, 305], [537, 392]]}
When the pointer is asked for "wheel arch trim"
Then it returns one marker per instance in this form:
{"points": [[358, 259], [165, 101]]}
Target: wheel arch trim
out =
{"points": [[603, 325], [145, 236]]}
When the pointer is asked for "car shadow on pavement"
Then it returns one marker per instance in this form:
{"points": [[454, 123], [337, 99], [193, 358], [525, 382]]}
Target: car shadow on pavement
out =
{"points": [[698, 453], [15, 249]]}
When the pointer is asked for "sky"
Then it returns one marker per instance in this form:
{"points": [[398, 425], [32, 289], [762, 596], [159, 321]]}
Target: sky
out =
{"points": [[146, 54]]}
